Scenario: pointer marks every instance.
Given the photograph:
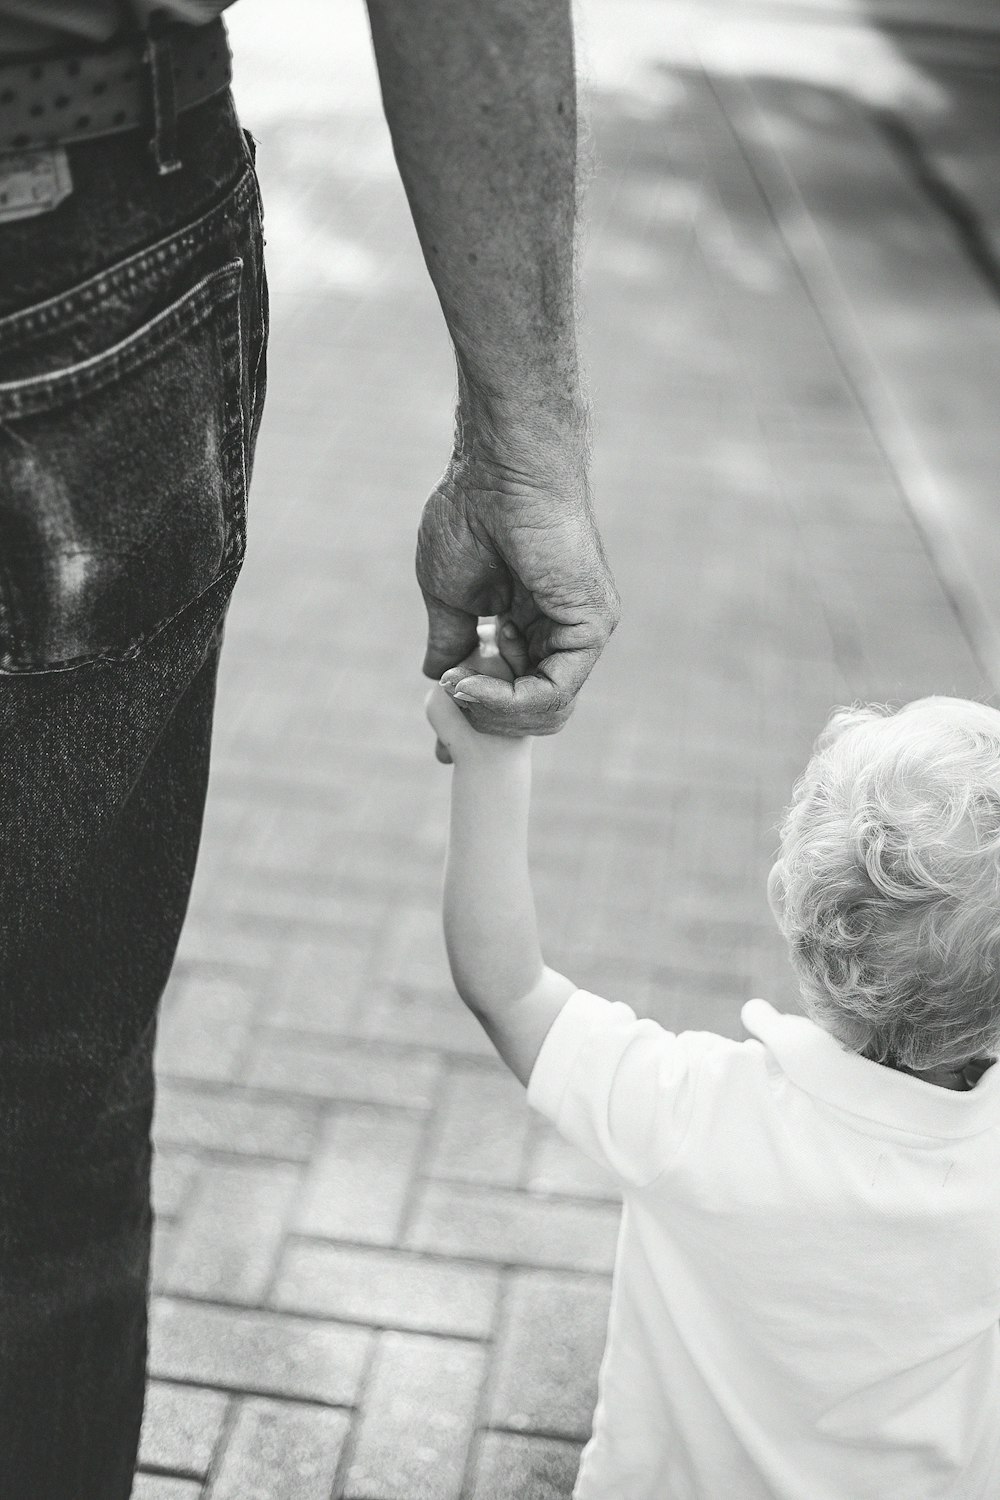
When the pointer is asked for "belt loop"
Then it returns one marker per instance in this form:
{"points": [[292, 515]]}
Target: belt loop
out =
{"points": [[160, 69]]}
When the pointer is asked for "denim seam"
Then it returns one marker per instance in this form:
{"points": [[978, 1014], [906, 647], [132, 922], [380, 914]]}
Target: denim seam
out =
{"points": [[259, 242], [260, 348], [239, 522], [37, 393], [154, 259], [262, 339], [9, 620], [135, 647]]}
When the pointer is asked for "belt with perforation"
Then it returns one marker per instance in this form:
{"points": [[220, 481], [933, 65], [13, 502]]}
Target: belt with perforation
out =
{"points": [[56, 100]]}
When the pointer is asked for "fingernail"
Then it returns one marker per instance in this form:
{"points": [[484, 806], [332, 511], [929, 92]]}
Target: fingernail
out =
{"points": [[510, 631], [464, 698]]}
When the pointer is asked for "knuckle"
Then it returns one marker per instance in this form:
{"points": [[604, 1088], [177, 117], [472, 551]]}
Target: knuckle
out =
{"points": [[555, 719], [613, 609]]}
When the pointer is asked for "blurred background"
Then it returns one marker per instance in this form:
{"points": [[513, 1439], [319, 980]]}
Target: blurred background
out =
{"points": [[376, 1276]]}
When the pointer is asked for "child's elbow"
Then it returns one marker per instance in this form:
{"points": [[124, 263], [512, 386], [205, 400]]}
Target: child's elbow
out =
{"points": [[481, 993], [474, 996]]}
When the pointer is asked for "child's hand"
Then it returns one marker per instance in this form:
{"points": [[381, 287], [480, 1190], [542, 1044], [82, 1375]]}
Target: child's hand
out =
{"points": [[456, 736]]}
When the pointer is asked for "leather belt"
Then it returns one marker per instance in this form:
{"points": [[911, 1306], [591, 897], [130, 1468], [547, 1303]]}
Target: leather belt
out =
{"points": [[54, 100]]}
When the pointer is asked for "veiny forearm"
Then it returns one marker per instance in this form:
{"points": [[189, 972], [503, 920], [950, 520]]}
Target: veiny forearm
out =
{"points": [[490, 926], [480, 98]]}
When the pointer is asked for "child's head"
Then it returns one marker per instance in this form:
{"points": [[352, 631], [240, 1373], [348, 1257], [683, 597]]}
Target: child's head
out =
{"points": [[887, 884]]}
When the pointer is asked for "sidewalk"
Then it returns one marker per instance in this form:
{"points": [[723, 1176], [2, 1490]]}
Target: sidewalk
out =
{"points": [[377, 1278]]}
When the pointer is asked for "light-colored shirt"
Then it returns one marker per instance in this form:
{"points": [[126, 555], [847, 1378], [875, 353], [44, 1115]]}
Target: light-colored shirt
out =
{"points": [[28, 26], [807, 1284]]}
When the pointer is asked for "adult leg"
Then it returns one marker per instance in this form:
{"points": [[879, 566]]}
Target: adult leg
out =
{"points": [[77, 1105], [132, 334]]}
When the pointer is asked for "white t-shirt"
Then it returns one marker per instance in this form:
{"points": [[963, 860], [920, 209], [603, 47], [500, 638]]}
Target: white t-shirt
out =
{"points": [[807, 1285]]}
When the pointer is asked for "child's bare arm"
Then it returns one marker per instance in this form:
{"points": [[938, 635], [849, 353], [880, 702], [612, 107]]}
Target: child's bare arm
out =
{"points": [[491, 931]]}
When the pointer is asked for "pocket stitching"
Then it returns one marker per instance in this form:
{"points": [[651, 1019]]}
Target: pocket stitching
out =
{"points": [[135, 646], [40, 393], [208, 298], [165, 254]]}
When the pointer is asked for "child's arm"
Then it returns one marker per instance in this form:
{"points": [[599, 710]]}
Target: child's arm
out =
{"points": [[490, 927]]}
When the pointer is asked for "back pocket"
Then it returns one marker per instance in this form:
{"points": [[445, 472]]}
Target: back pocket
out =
{"points": [[123, 485]]}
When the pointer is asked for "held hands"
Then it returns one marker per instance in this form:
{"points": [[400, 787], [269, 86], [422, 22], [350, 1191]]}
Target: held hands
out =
{"points": [[509, 531], [448, 704]]}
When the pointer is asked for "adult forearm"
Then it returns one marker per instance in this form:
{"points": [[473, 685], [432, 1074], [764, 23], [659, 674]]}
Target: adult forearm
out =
{"points": [[491, 930], [480, 98]]}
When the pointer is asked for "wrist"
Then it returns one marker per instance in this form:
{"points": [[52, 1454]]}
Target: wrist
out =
{"points": [[551, 418], [498, 763]]}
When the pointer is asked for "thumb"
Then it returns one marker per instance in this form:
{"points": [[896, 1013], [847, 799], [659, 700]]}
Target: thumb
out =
{"points": [[451, 636]]}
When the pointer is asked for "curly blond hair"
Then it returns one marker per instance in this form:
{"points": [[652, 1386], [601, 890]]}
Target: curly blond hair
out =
{"points": [[887, 883]]}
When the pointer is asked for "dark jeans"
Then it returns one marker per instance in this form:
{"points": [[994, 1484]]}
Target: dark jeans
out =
{"points": [[132, 340]]}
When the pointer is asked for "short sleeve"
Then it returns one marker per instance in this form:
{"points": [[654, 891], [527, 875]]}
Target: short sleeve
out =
{"points": [[619, 1088]]}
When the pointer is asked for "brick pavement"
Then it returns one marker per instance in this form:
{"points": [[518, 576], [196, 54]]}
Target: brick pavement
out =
{"points": [[377, 1277]]}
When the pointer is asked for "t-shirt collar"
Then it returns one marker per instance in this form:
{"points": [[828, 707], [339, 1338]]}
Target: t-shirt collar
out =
{"points": [[819, 1064]]}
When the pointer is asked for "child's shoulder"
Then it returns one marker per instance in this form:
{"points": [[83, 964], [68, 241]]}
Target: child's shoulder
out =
{"points": [[613, 1027]]}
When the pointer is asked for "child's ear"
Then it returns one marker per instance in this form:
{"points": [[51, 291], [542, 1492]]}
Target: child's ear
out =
{"points": [[776, 891]]}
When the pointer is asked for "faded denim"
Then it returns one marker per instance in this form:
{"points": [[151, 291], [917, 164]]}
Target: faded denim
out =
{"points": [[133, 327]]}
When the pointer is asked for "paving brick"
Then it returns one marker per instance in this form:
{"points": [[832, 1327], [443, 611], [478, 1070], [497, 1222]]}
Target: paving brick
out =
{"points": [[387, 1288], [279, 1451], [359, 1179], [231, 1232], [319, 985], [278, 908], [765, 494], [202, 1032], [421, 1017], [251, 1125], [266, 1353], [180, 1428], [390, 865], [504, 1227], [164, 1244], [173, 1173], [682, 1001], [208, 944], [300, 839], [164, 1487], [482, 1125], [554, 1166], [552, 1335], [344, 1071], [413, 1438], [530, 1468], [413, 949]]}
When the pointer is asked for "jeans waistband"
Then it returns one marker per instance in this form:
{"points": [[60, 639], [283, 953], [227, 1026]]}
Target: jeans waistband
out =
{"points": [[118, 204], [142, 81]]}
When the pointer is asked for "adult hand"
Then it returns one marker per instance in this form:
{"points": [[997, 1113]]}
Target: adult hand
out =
{"points": [[517, 537], [502, 654]]}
